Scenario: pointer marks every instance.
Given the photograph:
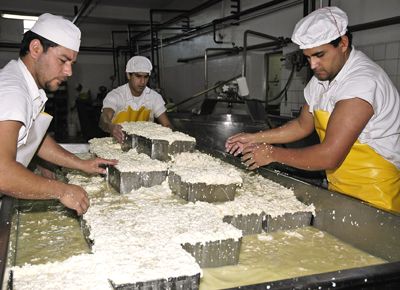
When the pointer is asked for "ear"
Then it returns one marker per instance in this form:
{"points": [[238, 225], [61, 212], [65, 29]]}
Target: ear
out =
{"points": [[35, 48], [344, 42], [128, 76]]}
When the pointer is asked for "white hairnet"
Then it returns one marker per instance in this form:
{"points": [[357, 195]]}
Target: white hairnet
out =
{"points": [[139, 64], [59, 30], [320, 27]]}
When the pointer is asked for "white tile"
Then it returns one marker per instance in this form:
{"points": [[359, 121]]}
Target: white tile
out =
{"points": [[398, 67], [390, 66], [368, 50], [379, 51], [393, 78], [285, 110], [392, 50], [398, 83], [381, 63]]}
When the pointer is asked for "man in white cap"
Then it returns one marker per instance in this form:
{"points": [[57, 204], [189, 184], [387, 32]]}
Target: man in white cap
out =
{"points": [[47, 53], [133, 101], [354, 108]]}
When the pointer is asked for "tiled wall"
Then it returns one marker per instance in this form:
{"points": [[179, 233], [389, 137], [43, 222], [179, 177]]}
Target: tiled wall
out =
{"points": [[387, 55]]}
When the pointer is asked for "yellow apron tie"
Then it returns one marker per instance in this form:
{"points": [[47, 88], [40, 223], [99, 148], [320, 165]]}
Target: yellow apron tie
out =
{"points": [[130, 115], [364, 174]]}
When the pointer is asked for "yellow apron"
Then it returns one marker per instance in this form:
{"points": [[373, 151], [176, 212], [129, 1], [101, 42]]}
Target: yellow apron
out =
{"points": [[130, 115], [364, 174]]}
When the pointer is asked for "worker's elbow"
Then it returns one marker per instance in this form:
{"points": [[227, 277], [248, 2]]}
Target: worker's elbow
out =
{"points": [[332, 163]]}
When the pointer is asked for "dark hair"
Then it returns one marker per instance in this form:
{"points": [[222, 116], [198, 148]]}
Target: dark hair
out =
{"points": [[28, 37], [336, 41]]}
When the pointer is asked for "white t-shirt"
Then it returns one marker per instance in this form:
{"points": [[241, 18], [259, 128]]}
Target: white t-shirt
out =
{"points": [[362, 78], [120, 98], [20, 98]]}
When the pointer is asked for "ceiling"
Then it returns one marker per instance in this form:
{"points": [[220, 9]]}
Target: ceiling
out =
{"points": [[98, 10]]}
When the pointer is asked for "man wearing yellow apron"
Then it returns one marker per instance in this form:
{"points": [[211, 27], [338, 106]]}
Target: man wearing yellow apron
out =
{"points": [[133, 101], [47, 53], [353, 106]]}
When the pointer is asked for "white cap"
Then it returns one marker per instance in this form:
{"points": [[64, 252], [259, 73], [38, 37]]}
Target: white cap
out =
{"points": [[320, 27], [59, 30], [139, 64]]}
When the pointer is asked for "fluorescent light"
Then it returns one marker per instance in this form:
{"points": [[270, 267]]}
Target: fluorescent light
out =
{"points": [[17, 16]]}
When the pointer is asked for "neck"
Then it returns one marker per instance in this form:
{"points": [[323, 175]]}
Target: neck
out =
{"points": [[30, 65]]}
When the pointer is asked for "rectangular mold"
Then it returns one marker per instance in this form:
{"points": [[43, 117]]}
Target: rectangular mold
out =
{"points": [[288, 221], [215, 253], [161, 149], [201, 191], [125, 182], [183, 282], [251, 224]]}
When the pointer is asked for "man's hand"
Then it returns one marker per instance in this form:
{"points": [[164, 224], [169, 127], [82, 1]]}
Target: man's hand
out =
{"points": [[116, 132], [75, 197], [93, 166], [257, 155], [237, 143]]}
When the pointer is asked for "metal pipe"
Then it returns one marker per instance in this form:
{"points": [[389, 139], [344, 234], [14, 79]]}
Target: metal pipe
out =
{"points": [[154, 40], [215, 33], [81, 10], [250, 10], [186, 35], [259, 34], [183, 15], [375, 24], [305, 7]]}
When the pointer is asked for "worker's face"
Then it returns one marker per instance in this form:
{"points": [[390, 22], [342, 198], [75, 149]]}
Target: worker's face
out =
{"points": [[54, 67], [326, 60], [138, 82]]}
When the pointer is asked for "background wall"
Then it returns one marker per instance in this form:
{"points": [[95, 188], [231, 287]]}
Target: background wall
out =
{"points": [[180, 80]]}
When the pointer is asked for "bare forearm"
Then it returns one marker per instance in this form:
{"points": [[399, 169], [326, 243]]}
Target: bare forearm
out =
{"points": [[289, 132], [54, 153], [309, 158], [19, 182], [105, 123]]}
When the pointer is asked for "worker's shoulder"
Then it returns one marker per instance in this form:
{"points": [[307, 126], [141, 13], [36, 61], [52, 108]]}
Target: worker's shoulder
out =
{"points": [[12, 81], [151, 92], [119, 91], [362, 66]]}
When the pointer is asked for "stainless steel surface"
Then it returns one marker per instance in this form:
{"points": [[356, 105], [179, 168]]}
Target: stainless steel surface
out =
{"points": [[76, 147], [249, 224], [361, 225], [161, 149], [288, 221], [201, 191], [378, 231], [215, 254], [125, 182], [183, 282], [211, 132]]}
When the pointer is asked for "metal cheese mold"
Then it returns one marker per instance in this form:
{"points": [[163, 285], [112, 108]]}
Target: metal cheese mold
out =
{"points": [[182, 282], [215, 253], [125, 182], [201, 191], [155, 148], [253, 224]]}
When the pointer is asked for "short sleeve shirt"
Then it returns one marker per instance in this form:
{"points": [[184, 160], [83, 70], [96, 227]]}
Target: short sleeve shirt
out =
{"points": [[20, 98], [121, 98], [361, 78]]}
